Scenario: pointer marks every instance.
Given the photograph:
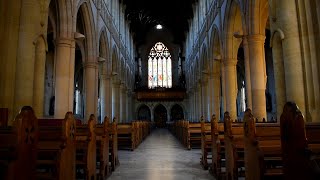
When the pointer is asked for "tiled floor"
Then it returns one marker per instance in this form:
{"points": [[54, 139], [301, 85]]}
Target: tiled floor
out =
{"points": [[160, 157]]}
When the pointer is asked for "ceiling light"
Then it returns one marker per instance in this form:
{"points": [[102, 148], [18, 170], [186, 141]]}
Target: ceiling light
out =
{"points": [[159, 26]]}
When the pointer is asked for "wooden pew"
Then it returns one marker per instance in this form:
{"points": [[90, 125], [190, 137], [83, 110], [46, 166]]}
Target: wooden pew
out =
{"points": [[263, 157], [313, 138], [4, 115], [299, 145], [189, 134], [194, 135], [127, 136], [86, 149], [234, 148], [18, 147], [56, 149], [205, 143], [113, 144], [102, 137], [217, 148]]}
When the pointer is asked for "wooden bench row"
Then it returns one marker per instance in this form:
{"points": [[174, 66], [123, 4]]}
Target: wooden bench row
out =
{"points": [[130, 135], [41, 149], [188, 133], [289, 149]]}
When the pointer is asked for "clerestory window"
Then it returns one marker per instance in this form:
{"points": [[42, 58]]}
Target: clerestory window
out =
{"points": [[159, 67]]}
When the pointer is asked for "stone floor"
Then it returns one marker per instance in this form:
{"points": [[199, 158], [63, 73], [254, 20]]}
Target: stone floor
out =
{"points": [[160, 157]]}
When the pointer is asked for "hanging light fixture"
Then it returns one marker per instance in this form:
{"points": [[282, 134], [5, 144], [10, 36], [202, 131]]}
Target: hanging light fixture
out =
{"points": [[159, 26]]}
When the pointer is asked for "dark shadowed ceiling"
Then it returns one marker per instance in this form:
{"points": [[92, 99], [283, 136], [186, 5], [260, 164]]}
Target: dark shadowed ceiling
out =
{"points": [[146, 14]]}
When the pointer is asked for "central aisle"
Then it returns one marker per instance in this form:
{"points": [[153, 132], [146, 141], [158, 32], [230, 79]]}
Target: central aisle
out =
{"points": [[160, 157]]}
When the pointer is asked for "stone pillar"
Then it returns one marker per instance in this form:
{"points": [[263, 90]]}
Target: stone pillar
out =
{"points": [[215, 79], [90, 69], [25, 60], [190, 105], [168, 115], [199, 101], [279, 79], [257, 75], [129, 105], [186, 112], [39, 73], [287, 19], [64, 82], [223, 96], [210, 90], [9, 35], [105, 91], [247, 73], [116, 99], [122, 103], [205, 98], [194, 103], [230, 71], [152, 114]]}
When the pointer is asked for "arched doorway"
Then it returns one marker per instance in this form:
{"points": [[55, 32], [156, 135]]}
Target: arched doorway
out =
{"points": [[144, 113], [160, 116], [176, 113]]}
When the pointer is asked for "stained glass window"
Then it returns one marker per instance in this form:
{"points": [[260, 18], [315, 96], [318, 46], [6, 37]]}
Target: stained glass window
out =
{"points": [[159, 67]]}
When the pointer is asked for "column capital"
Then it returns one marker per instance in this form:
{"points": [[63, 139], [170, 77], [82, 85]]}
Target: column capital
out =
{"points": [[116, 83], [105, 76], [254, 38], [90, 64], [230, 62], [214, 75], [63, 41]]}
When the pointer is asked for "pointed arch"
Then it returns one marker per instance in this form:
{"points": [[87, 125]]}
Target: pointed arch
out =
{"points": [[84, 10], [234, 24], [204, 59], [64, 18], [115, 61], [176, 112], [143, 112], [257, 16]]}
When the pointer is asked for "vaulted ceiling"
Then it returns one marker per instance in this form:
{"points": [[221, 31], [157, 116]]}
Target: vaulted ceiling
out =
{"points": [[171, 14]]}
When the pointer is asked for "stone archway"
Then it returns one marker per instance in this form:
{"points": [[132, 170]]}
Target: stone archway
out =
{"points": [[144, 113], [160, 116], [176, 113]]}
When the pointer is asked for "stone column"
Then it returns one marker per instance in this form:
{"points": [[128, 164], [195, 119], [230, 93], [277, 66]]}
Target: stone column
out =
{"points": [[287, 19], [105, 91], [247, 73], [215, 79], [279, 79], [64, 82], [204, 107], [230, 71], [195, 100], [210, 90], [257, 75], [190, 105], [9, 28], [39, 73], [128, 105], [116, 99], [186, 112], [25, 59], [152, 114], [122, 103], [198, 101], [90, 69], [223, 96]]}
